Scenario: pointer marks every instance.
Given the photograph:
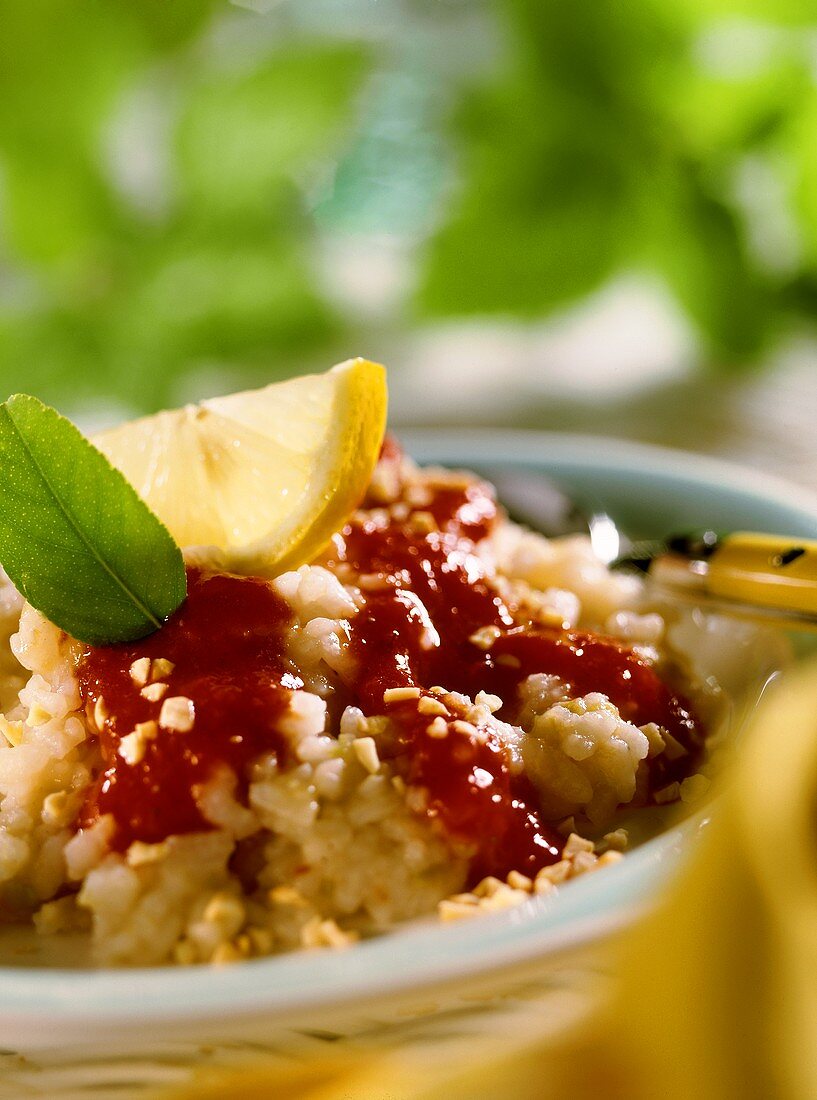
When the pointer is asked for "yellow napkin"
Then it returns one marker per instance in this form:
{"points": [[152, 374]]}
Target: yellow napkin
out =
{"points": [[715, 992]]}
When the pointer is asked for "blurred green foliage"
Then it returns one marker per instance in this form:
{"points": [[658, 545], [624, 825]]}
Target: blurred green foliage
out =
{"points": [[106, 295], [168, 168], [608, 144]]}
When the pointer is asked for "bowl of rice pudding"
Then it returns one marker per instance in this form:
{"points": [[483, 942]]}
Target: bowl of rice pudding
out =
{"points": [[448, 756]]}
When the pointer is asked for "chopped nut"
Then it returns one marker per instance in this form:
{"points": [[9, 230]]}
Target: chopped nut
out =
{"points": [[437, 690], [508, 660], [378, 516], [492, 702], [133, 745], [38, 715], [674, 750], [448, 910], [148, 730], [355, 724], [153, 692], [101, 713], [373, 582], [503, 898], [385, 484], [694, 788], [401, 694], [485, 637], [225, 911], [584, 861], [139, 854], [466, 898], [576, 844], [61, 915], [132, 748], [517, 881], [437, 729], [616, 841], [655, 737], [422, 523], [287, 895], [365, 750], [334, 936], [609, 857], [467, 729], [430, 706], [670, 793], [419, 495], [12, 731], [556, 873], [447, 479], [488, 887], [140, 671], [225, 954], [177, 714], [324, 933], [161, 668], [480, 733]]}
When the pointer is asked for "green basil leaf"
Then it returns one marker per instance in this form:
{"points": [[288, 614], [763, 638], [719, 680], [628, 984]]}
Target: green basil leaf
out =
{"points": [[75, 537]]}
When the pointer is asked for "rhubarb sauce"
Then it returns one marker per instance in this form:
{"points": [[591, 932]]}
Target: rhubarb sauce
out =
{"points": [[227, 645], [427, 593], [415, 631]]}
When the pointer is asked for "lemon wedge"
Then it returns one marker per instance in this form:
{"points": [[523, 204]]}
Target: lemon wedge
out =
{"points": [[262, 478]]}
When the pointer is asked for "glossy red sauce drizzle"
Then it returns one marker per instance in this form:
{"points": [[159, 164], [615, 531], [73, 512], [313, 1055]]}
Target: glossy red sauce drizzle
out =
{"points": [[591, 662], [227, 644], [415, 633]]}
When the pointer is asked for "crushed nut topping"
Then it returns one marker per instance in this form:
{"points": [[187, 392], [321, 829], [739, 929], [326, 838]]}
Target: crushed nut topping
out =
{"points": [[401, 694], [153, 692], [140, 671], [432, 707], [365, 750], [177, 714], [438, 728], [161, 668]]}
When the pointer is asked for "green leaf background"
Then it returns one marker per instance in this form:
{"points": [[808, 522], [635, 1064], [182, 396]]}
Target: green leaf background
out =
{"points": [[171, 173]]}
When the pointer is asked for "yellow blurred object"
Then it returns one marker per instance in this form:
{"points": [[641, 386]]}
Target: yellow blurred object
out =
{"points": [[766, 569], [715, 992], [262, 478], [754, 575]]}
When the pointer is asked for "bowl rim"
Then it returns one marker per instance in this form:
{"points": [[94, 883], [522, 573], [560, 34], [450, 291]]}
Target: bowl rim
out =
{"points": [[421, 954], [576, 449]]}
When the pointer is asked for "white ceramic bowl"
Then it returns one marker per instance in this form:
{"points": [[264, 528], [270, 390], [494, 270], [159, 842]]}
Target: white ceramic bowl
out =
{"points": [[87, 1015]]}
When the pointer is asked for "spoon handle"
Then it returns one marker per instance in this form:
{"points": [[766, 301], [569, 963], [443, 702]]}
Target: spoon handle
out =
{"points": [[748, 573]]}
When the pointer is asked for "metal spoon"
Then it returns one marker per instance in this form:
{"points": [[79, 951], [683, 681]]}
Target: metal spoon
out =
{"points": [[759, 576]]}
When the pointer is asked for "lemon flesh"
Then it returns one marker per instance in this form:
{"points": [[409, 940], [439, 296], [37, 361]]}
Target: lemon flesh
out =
{"points": [[262, 478]]}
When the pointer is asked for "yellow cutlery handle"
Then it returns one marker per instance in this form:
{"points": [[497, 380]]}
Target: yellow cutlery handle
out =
{"points": [[769, 570]]}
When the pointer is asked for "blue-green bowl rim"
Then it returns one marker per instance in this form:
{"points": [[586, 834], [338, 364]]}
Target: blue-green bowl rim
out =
{"points": [[426, 953]]}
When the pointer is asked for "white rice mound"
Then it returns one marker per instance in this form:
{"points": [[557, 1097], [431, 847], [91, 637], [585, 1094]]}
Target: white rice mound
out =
{"points": [[330, 847]]}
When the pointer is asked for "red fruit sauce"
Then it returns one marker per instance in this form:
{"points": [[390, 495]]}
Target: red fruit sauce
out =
{"points": [[228, 642], [227, 645]]}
